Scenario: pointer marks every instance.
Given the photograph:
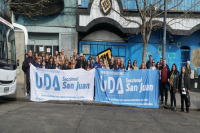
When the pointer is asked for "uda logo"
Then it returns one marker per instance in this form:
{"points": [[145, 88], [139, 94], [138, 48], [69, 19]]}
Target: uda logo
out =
{"points": [[105, 6], [47, 85]]}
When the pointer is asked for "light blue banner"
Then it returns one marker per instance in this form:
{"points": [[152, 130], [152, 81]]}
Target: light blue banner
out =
{"points": [[138, 88]]}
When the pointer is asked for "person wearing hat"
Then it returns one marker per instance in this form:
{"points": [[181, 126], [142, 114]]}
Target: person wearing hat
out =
{"points": [[81, 63], [188, 69]]}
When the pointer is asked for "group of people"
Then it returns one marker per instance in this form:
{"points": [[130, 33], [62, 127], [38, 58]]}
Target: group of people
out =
{"points": [[167, 79]]}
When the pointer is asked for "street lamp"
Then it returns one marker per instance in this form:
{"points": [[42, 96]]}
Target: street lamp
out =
{"points": [[164, 29]]}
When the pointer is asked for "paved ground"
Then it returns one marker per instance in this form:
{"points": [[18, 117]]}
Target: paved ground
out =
{"points": [[20, 96], [64, 118]]}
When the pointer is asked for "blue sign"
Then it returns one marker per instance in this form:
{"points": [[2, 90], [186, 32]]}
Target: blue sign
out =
{"points": [[138, 88]]}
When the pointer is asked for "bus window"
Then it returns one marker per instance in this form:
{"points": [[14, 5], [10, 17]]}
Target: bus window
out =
{"points": [[11, 47]]}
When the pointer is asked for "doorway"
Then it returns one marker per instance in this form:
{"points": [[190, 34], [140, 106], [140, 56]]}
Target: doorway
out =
{"points": [[185, 55]]}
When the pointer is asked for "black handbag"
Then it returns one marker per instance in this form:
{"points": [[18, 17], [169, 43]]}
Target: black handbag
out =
{"points": [[188, 99]]}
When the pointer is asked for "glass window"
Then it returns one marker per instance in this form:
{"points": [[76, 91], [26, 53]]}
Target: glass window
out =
{"points": [[11, 47], [3, 44]]}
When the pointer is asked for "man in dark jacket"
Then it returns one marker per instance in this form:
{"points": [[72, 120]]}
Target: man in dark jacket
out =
{"points": [[149, 63], [81, 63], [23, 64], [165, 76], [28, 61]]}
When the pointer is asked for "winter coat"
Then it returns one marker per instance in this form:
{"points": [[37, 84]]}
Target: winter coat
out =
{"points": [[186, 82], [26, 64], [37, 65], [176, 80], [51, 66]]}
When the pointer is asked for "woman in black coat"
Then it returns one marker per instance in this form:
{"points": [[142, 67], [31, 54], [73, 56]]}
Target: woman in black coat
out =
{"points": [[184, 87], [174, 79], [51, 64], [129, 65]]}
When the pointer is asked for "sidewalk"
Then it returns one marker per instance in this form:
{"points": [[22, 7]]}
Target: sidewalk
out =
{"points": [[20, 96]]}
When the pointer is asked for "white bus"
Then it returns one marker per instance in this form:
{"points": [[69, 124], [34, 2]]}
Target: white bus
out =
{"points": [[8, 74]]}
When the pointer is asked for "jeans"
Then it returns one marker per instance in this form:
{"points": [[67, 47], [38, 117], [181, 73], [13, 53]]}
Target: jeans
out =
{"points": [[183, 98], [173, 96], [164, 89], [28, 83]]}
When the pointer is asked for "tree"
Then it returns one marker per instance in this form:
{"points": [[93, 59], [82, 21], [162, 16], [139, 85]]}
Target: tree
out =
{"points": [[149, 10], [32, 8]]}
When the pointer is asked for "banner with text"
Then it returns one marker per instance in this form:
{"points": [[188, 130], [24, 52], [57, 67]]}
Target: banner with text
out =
{"points": [[52, 84], [138, 88]]}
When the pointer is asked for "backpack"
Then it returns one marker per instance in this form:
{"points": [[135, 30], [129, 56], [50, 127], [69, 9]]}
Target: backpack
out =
{"points": [[23, 67]]}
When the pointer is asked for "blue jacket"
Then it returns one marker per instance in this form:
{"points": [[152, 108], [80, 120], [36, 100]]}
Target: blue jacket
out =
{"points": [[38, 65], [96, 64]]}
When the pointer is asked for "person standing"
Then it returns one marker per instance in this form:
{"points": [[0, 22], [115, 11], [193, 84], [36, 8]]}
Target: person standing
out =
{"points": [[28, 61], [158, 66], [161, 62], [62, 54], [184, 88], [77, 58], [47, 60], [115, 60], [160, 82], [38, 64], [23, 64], [142, 66], [88, 65], [51, 64], [188, 69], [117, 66], [84, 60], [66, 65], [57, 64], [149, 63], [71, 60], [174, 79], [81, 63], [56, 53], [101, 62], [122, 67], [153, 67], [35, 56], [96, 64], [129, 65], [105, 65], [73, 65], [92, 61], [74, 54], [44, 66], [165, 75], [112, 64], [135, 65]]}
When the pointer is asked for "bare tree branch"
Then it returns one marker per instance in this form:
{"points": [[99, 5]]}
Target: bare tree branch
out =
{"points": [[169, 9], [138, 7], [127, 19]]}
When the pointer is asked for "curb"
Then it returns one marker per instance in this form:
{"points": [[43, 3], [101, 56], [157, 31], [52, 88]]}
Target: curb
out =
{"points": [[89, 103]]}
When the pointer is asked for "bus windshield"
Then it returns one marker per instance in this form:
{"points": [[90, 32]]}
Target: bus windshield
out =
{"points": [[7, 45]]}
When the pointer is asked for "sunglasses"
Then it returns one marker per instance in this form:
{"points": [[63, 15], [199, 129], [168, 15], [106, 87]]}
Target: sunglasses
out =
{"points": [[153, 62]]}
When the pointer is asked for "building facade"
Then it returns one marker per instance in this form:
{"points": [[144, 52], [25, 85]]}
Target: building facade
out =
{"points": [[102, 28], [47, 33]]}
